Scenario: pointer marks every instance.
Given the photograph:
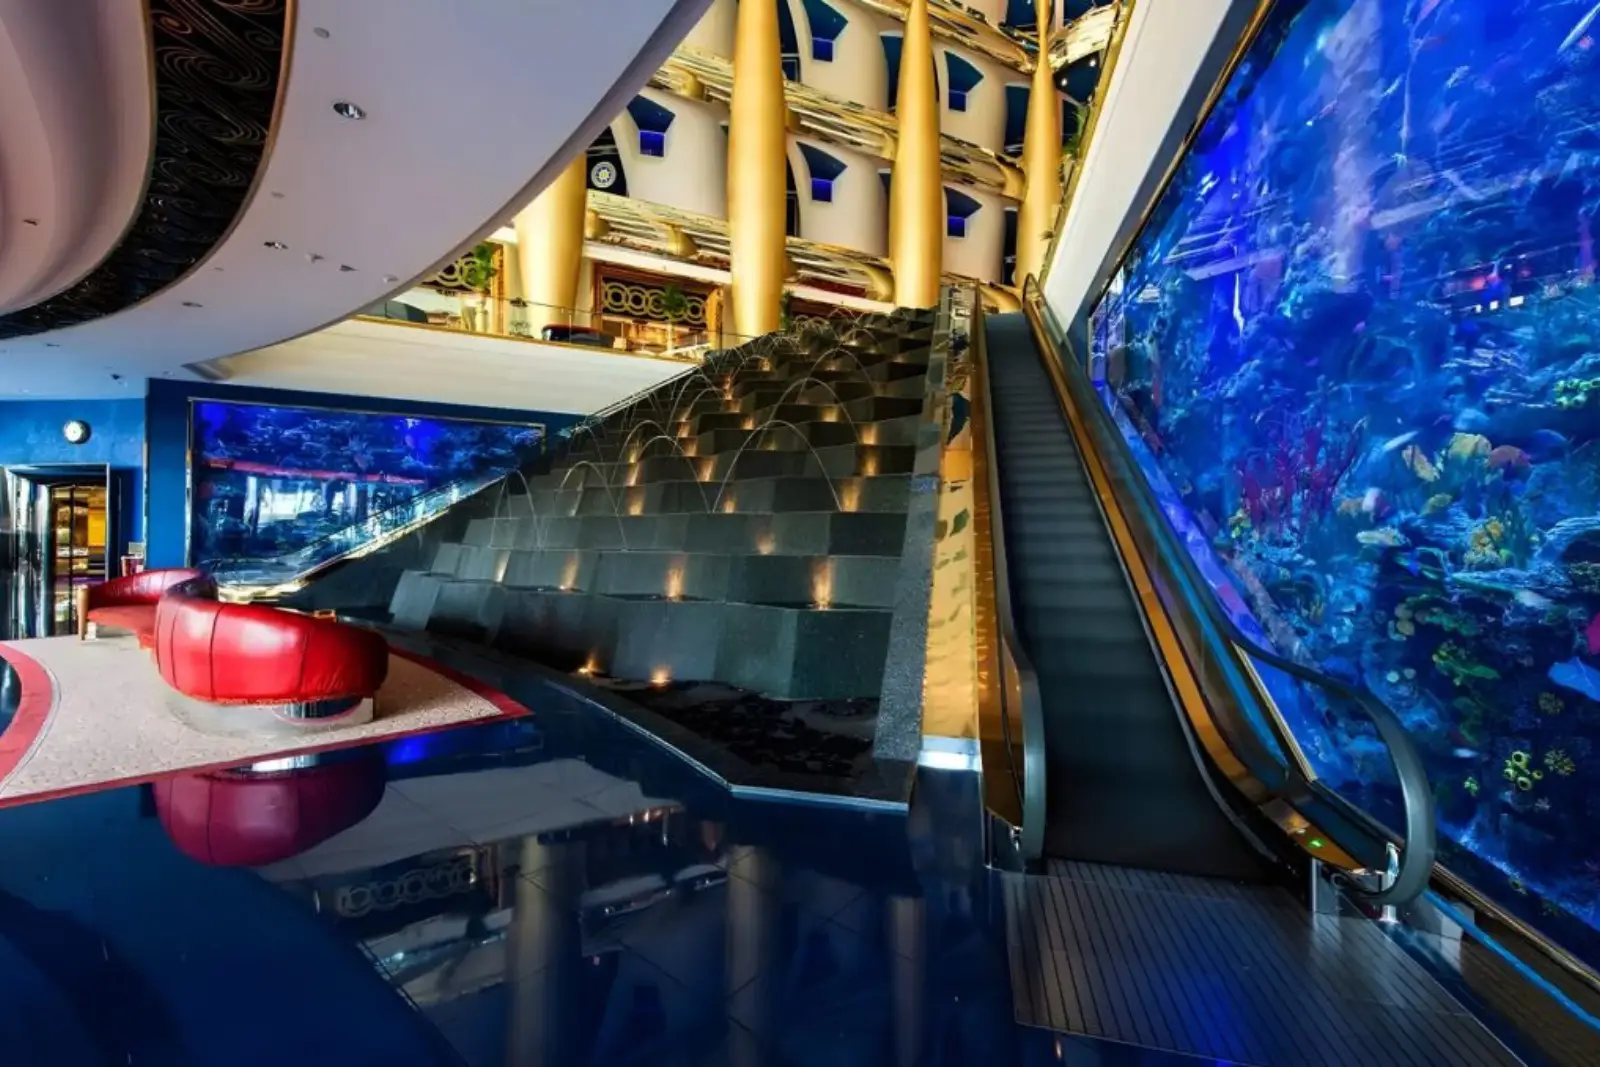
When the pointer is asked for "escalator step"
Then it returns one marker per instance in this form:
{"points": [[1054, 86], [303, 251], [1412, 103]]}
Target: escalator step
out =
{"points": [[1122, 785]]}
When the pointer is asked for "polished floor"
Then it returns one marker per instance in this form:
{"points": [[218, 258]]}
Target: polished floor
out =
{"points": [[547, 890]]}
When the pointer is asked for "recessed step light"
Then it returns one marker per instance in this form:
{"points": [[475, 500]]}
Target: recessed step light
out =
{"points": [[347, 110]]}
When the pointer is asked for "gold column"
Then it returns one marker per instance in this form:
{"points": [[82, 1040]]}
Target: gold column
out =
{"points": [[916, 186], [757, 160], [550, 247], [1041, 159]]}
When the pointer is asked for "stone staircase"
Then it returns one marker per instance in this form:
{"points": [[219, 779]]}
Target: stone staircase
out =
{"points": [[741, 524]]}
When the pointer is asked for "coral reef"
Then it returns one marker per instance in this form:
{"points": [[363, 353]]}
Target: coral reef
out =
{"points": [[1359, 347]]}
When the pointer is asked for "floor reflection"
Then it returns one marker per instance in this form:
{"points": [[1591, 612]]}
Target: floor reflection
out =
{"points": [[545, 891]]}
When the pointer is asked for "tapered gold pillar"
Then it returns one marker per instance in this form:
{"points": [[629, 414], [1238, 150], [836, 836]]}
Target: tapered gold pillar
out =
{"points": [[550, 247], [1041, 159], [916, 186], [757, 161]]}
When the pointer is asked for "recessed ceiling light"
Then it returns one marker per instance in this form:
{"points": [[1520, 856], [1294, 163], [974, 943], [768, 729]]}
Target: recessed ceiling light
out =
{"points": [[346, 110], [191, 304], [390, 278], [321, 32], [279, 245], [314, 257], [276, 195], [345, 268]]}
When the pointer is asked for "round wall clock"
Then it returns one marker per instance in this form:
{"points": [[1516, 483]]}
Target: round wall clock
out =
{"points": [[76, 432]]}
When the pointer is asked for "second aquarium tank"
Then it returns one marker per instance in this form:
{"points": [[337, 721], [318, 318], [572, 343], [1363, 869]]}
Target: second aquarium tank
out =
{"points": [[1357, 346]]}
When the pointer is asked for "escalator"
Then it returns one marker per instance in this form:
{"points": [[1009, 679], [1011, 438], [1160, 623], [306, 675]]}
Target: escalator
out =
{"points": [[1123, 785], [1176, 858]]}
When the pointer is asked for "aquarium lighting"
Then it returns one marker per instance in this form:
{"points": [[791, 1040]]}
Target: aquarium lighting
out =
{"points": [[1516, 301]]}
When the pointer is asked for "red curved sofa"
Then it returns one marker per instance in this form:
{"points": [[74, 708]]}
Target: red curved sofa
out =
{"points": [[225, 653], [129, 603], [250, 818]]}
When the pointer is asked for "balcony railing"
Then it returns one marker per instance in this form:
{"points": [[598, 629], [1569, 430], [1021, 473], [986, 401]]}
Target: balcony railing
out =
{"points": [[492, 316]]}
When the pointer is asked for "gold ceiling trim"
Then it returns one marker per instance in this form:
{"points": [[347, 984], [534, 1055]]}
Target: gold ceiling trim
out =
{"points": [[700, 75], [1083, 37], [653, 229], [955, 24]]}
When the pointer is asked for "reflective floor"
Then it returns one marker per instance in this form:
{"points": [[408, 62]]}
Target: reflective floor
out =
{"points": [[551, 890]]}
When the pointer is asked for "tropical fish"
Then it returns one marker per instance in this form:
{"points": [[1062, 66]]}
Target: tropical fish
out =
{"points": [[1545, 443], [1399, 442], [1388, 537], [1468, 446], [1372, 501], [1420, 464], [1577, 676], [1471, 420], [1465, 753], [1579, 30], [1437, 503], [1509, 460], [1529, 599]]}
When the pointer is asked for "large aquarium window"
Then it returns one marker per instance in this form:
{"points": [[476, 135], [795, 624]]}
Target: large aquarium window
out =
{"points": [[1358, 344], [267, 481]]}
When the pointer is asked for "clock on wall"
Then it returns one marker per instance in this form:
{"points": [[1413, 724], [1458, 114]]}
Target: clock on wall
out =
{"points": [[76, 432]]}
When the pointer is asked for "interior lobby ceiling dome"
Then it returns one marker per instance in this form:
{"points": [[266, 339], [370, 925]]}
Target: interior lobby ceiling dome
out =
{"points": [[241, 172], [76, 136]]}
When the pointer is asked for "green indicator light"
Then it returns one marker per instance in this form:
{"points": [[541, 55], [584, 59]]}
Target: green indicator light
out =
{"points": [[1316, 842]]}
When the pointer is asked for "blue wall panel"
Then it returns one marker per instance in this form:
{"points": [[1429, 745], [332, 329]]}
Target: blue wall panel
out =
{"points": [[167, 426], [30, 434]]}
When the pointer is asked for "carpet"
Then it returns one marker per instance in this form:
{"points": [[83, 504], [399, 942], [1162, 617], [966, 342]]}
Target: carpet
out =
{"points": [[111, 720]]}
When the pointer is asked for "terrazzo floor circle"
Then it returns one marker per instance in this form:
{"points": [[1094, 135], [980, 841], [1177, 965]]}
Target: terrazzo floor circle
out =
{"points": [[113, 720]]}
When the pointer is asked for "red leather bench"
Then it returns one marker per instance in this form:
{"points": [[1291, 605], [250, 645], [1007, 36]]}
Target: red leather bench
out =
{"points": [[254, 816], [129, 603], [220, 653]]}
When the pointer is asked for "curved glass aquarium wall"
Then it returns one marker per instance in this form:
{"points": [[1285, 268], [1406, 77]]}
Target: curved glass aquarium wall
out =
{"points": [[1358, 342]]}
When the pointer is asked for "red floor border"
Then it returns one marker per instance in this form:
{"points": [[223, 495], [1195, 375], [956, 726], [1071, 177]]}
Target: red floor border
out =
{"points": [[33, 707], [507, 707]]}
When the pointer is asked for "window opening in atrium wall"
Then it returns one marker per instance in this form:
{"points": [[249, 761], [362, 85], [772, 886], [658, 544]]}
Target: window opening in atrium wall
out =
{"points": [[791, 203], [1008, 249], [788, 41], [826, 26], [825, 170], [964, 79], [1016, 117], [652, 121], [959, 209], [891, 59]]}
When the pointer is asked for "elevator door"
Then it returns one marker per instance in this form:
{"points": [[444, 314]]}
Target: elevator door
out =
{"points": [[76, 553]]}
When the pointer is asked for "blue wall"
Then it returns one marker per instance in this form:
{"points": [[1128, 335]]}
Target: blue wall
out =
{"points": [[30, 433], [166, 419]]}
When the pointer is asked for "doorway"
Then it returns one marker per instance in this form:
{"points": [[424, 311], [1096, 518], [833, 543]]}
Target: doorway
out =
{"points": [[56, 536]]}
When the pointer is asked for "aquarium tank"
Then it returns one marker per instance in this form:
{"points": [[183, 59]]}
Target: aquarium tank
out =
{"points": [[1356, 347], [266, 481]]}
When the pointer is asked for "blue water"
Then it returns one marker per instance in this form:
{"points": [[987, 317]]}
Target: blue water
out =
{"points": [[1355, 346], [269, 480]]}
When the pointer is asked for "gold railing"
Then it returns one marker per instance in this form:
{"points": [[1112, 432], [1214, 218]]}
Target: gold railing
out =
{"points": [[643, 323]]}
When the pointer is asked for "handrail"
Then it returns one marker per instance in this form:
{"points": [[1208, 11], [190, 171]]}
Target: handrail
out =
{"points": [[1019, 683], [1421, 828], [376, 522]]}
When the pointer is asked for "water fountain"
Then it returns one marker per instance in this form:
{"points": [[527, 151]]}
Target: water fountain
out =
{"points": [[756, 435]]}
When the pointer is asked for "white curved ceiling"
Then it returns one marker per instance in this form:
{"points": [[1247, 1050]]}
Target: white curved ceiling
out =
{"points": [[75, 138], [471, 108]]}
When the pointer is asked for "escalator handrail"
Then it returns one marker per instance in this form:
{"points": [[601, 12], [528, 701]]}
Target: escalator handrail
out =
{"points": [[1418, 843], [1030, 777], [459, 489]]}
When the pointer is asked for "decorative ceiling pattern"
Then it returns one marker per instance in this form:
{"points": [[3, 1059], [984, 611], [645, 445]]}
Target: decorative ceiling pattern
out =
{"points": [[218, 65]]}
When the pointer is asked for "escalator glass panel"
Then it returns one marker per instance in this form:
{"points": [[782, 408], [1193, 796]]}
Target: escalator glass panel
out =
{"points": [[1353, 351]]}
